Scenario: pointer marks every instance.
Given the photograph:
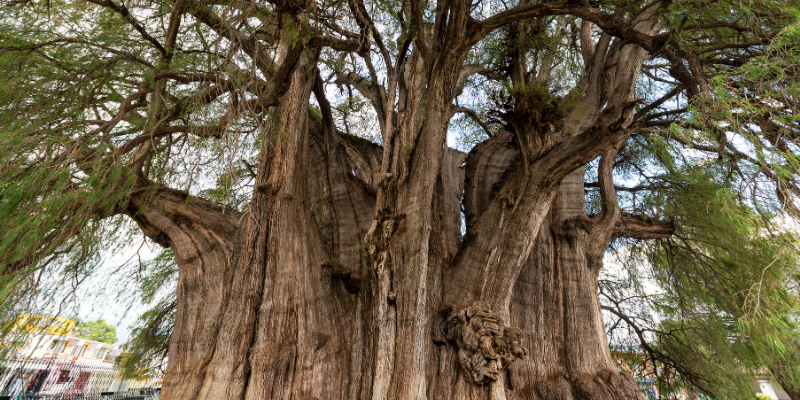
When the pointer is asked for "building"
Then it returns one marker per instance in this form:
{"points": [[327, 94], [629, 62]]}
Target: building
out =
{"points": [[43, 357], [629, 359], [770, 387]]}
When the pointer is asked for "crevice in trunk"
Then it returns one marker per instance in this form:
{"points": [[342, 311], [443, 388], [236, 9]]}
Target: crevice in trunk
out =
{"points": [[555, 301], [288, 327], [338, 269], [203, 237]]}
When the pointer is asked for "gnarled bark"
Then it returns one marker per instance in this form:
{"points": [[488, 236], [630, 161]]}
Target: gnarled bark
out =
{"points": [[348, 278], [286, 323], [556, 301]]}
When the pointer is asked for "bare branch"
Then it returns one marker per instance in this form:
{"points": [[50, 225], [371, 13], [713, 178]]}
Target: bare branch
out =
{"points": [[474, 116], [126, 15]]}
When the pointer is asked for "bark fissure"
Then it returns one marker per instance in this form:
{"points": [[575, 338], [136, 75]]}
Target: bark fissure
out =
{"points": [[348, 276]]}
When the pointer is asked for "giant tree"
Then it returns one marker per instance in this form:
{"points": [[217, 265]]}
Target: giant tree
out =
{"points": [[294, 158]]}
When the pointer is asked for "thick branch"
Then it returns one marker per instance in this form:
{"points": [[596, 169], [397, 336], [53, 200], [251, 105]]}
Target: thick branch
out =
{"points": [[474, 116], [367, 89], [199, 131], [650, 107], [641, 227], [164, 214]]}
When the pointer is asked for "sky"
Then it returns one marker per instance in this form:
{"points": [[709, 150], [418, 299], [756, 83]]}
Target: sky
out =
{"points": [[101, 298]]}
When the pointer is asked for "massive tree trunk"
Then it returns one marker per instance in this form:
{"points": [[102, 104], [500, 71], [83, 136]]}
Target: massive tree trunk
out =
{"points": [[347, 277], [289, 319], [555, 301], [304, 294], [404, 270]]}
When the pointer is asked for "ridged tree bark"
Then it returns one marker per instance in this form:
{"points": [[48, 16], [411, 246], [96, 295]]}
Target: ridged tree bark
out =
{"points": [[347, 277], [395, 268]]}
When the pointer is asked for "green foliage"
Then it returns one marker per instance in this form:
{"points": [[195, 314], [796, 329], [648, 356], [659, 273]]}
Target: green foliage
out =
{"points": [[146, 352], [718, 301], [56, 181], [64, 184], [723, 168], [157, 276], [98, 331], [727, 286]]}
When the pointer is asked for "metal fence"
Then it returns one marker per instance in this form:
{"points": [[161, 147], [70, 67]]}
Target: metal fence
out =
{"points": [[56, 379], [133, 395]]}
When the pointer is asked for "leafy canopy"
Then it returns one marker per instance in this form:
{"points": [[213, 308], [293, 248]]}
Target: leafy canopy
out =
{"points": [[97, 330], [717, 302], [101, 104]]}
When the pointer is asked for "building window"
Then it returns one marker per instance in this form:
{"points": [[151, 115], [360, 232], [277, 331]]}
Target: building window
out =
{"points": [[60, 346], [79, 350], [99, 353], [63, 376], [83, 378]]}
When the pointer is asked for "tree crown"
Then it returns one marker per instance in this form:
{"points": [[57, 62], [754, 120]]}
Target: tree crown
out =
{"points": [[110, 111]]}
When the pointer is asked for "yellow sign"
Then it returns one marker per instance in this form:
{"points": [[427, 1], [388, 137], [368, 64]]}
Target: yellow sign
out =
{"points": [[35, 323]]}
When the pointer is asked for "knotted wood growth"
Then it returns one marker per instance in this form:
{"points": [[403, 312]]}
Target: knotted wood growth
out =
{"points": [[323, 279], [485, 346]]}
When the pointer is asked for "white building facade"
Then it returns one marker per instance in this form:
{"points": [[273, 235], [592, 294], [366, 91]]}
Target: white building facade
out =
{"points": [[46, 364], [42, 357]]}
